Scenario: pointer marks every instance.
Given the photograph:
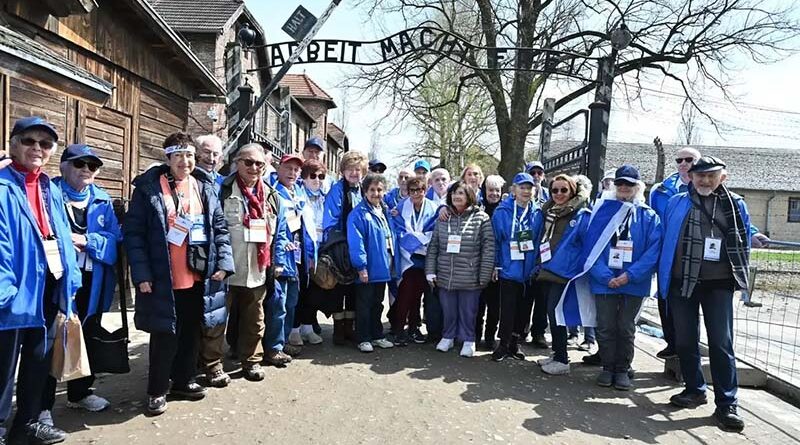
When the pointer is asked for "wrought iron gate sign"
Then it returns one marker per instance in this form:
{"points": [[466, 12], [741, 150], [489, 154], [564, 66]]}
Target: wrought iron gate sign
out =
{"points": [[434, 41]]}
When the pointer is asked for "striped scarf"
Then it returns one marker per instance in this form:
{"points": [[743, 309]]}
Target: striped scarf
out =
{"points": [[736, 244]]}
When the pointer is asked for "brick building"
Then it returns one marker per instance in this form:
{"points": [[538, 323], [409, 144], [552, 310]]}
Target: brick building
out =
{"points": [[315, 101]]}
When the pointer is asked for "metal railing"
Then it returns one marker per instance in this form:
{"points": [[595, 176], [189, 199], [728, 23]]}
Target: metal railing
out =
{"points": [[766, 328], [266, 128]]}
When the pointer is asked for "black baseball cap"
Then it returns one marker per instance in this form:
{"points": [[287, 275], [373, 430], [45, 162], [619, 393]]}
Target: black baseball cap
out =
{"points": [[627, 174]]}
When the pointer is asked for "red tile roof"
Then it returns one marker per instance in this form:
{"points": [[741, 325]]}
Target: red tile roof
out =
{"points": [[197, 15], [302, 87]]}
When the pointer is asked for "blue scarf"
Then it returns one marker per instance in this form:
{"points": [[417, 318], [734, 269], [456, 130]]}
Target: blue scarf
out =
{"points": [[74, 195]]}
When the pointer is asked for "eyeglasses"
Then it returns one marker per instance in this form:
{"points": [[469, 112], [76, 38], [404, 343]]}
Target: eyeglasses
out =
{"points": [[320, 176], [44, 143], [80, 163], [415, 190], [688, 160], [562, 190], [251, 162]]}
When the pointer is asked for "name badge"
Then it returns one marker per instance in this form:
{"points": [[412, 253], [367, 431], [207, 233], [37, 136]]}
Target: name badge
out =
{"points": [[53, 258], [516, 255], [712, 248], [198, 232], [293, 221], [525, 238], [544, 252], [257, 233], [179, 230], [453, 243], [615, 258], [627, 250]]}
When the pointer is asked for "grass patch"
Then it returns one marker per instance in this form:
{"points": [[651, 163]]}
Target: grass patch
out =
{"points": [[775, 256]]}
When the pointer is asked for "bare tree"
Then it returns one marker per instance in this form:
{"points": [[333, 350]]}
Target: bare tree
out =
{"points": [[695, 44], [688, 131]]}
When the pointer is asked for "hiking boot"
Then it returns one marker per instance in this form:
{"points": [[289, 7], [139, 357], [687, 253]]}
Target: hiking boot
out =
{"points": [[36, 433], [667, 353], [605, 379], [191, 391], [686, 399], [728, 418], [292, 350], [156, 405], [218, 378], [622, 382], [539, 342], [254, 373], [277, 358]]}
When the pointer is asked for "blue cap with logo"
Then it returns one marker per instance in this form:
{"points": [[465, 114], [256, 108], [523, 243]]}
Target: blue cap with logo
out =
{"points": [[627, 174], [523, 178], [33, 123], [422, 163], [315, 142], [80, 151]]}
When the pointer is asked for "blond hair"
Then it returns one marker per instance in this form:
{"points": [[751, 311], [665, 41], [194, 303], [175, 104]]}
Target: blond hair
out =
{"points": [[354, 159]]}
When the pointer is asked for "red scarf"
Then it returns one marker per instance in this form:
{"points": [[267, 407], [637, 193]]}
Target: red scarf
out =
{"points": [[33, 191], [255, 210]]}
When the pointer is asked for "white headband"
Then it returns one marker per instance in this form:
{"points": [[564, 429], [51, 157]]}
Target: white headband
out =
{"points": [[176, 148]]}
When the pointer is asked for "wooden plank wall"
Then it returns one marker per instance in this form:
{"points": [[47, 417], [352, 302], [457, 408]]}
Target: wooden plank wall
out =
{"points": [[160, 115]]}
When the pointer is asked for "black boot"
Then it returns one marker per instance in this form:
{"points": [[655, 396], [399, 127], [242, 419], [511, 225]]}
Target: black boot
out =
{"points": [[349, 330], [514, 350], [500, 353], [339, 337]]}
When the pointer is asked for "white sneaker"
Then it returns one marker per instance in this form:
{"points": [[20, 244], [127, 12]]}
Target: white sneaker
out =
{"points": [[311, 337], [445, 344], [468, 349], [91, 403], [295, 339], [556, 368], [383, 343], [365, 346], [544, 361]]}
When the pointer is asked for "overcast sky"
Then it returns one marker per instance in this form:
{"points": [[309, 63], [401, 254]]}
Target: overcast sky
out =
{"points": [[768, 114]]}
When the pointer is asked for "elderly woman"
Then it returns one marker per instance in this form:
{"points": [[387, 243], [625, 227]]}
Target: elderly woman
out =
{"points": [[615, 252], [492, 190], [413, 223], [517, 223], [371, 244], [561, 214], [179, 252], [313, 174], [343, 197], [460, 261], [95, 234]]}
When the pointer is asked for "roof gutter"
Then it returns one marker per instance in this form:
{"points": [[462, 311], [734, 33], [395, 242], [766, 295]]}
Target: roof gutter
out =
{"points": [[150, 15]]}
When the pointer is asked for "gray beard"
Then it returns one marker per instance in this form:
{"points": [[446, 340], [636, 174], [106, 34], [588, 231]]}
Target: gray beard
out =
{"points": [[704, 191]]}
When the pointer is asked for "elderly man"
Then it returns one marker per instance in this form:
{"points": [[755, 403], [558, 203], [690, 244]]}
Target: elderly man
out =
{"points": [[400, 192], [421, 170], [540, 192], [438, 182], [95, 235], [38, 276], [704, 259], [252, 212], [209, 156], [376, 166]]}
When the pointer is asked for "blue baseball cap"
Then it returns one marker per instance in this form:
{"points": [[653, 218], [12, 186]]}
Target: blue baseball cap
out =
{"points": [[80, 151], [534, 164], [522, 178], [626, 174], [315, 142], [422, 163], [377, 166], [33, 123]]}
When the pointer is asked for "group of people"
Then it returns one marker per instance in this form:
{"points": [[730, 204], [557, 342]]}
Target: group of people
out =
{"points": [[233, 259]]}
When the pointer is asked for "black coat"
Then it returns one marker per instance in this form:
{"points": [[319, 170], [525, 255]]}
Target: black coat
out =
{"points": [[145, 238]]}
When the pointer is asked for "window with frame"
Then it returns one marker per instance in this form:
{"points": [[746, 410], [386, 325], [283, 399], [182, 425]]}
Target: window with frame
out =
{"points": [[794, 210]]}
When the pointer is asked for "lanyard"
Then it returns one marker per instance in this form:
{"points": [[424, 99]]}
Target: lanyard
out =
{"points": [[417, 224], [46, 215], [463, 229], [71, 214], [521, 218], [712, 217], [624, 229], [177, 197]]}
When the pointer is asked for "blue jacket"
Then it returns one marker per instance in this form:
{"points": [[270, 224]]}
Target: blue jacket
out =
{"points": [[284, 258], [366, 238], [311, 239], [393, 198], [23, 265], [661, 193], [334, 203], [645, 232], [103, 234], [677, 211], [145, 240], [521, 270], [398, 223]]}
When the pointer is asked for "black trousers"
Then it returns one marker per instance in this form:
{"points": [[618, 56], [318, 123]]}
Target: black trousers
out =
{"points": [[306, 310], [77, 389], [174, 355], [539, 318], [369, 308], [516, 302], [667, 323], [489, 303], [34, 350]]}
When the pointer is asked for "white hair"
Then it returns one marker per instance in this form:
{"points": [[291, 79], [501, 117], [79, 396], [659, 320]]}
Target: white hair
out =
{"points": [[695, 153], [494, 181], [209, 139], [440, 171]]}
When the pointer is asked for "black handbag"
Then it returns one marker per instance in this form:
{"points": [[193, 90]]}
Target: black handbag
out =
{"points": [[198, 258], [108, 351]]}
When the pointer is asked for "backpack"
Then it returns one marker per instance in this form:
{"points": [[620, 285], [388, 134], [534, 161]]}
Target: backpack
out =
{"points": [[333, 263]]}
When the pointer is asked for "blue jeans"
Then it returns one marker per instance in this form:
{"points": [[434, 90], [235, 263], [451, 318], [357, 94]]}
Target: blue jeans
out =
{"points": [[280, 313], [369, 308], [717, 303]]}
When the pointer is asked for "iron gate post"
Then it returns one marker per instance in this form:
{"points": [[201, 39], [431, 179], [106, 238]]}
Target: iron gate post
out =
{"points": [[598, 138]]}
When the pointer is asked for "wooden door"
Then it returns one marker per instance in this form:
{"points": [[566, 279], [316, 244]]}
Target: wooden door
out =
{"points": [[108, 132]]}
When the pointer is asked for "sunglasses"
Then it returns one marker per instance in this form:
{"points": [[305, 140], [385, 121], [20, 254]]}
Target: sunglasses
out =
{"points": [[688, 160], [415, 190], [44, 143], [80, 163], [251, 162], [320, 176], [562, 190]]}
